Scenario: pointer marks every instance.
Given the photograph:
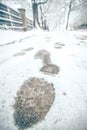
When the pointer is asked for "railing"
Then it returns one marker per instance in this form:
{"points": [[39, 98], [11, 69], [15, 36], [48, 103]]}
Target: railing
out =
{"points": [[12, 19], [29, 24]]}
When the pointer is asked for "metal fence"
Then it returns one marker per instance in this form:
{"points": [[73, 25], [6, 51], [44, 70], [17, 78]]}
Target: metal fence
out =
{"points": [[13, 19]]}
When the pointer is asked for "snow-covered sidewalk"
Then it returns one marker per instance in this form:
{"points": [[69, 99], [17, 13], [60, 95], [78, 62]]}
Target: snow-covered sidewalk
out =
{"points": [[17, 63]]}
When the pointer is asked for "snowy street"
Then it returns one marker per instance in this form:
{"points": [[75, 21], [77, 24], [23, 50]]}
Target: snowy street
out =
{"points": [[68, 50]]}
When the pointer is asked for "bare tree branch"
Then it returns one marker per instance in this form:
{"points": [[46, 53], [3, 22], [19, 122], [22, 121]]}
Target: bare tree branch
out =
{"points": [[43, 2]]}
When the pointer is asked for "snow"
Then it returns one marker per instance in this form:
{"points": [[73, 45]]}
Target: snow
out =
{"points": [[69, 51]]}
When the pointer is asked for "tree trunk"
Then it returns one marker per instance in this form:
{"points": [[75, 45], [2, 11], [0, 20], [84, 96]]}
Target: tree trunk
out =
{"points": [[35, 13], [68, 14]]}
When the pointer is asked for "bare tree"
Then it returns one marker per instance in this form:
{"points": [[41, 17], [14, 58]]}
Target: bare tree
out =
{"points": [[35, 5], [43, 11]]}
